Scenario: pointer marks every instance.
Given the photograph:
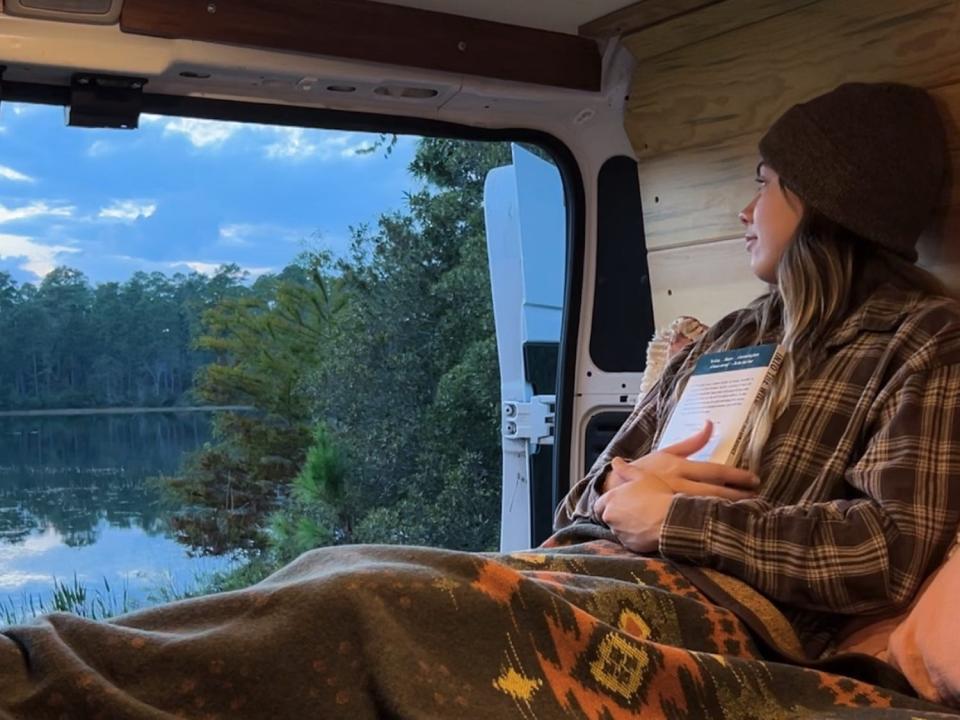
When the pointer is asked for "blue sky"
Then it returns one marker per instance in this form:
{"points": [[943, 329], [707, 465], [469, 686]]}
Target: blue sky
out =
{"points": [[181, 194]]}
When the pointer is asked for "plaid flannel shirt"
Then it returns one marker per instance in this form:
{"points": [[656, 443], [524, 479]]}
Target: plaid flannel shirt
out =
{"points": [[860, 494]]}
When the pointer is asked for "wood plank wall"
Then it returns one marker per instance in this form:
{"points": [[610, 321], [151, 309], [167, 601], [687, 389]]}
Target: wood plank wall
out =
{"points": [[709, 83]]}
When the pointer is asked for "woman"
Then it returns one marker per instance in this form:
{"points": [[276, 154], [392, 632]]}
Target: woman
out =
{"points": [[850, 492]]}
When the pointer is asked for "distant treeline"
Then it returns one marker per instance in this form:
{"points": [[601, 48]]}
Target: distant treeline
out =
{"points": [[68, 343]]}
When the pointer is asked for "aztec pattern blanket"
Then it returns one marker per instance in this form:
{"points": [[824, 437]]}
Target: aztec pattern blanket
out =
{"points": [[587, 630]]}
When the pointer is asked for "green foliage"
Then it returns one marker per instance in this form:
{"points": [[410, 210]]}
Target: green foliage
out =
{"points": [[409, 385], [265, 340], [375, 384], [253, 570], [67, 344], [323, 474], [316, 513]]}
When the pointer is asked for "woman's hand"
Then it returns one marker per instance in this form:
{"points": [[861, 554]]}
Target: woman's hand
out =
{"points": [[672, 466], [635, 510], [637, 495]]}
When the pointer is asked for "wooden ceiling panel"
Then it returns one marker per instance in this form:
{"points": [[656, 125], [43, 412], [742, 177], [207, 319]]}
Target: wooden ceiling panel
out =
{"points": [[739, 82], [704, 23], [377, 32]]}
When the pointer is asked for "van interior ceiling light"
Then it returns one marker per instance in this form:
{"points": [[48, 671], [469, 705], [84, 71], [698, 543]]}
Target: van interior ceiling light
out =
{"points": [[100, 12]]}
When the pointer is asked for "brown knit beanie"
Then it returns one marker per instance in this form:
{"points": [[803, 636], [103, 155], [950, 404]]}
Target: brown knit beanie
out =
{"points": [[870, 156]]}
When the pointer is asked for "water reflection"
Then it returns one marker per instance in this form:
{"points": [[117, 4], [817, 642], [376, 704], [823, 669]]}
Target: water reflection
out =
{"points": [[73, 499]]}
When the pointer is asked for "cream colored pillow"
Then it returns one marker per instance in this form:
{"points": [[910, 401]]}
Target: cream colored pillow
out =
{"points": [[665, 344], [921, 641], [926, 645]]}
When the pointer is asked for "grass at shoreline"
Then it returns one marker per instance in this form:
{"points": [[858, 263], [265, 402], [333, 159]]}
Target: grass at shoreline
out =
{"points": [[73, 597], [101, 602]]}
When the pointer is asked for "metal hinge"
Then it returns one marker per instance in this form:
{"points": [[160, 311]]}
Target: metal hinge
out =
{"points": [[105, 101], [532, 421]]}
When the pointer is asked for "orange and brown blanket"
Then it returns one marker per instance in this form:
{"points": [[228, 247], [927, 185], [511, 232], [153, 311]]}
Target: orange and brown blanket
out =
{"points": [[581, 631]]}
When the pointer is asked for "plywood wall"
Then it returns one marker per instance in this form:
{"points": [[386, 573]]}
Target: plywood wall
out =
{"points": [[708, 84]]}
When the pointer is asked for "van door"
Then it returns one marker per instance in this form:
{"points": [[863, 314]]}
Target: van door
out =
{"points": [[526, 240]]}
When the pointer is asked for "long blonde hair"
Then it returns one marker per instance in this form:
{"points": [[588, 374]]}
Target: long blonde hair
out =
{"points": [[824, 274]]}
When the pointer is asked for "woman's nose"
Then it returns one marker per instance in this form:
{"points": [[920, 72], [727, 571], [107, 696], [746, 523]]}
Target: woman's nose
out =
{"points": [[746, 215]]}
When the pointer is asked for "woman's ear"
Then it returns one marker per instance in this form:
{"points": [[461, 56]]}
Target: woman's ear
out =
{"points": [[793, 200]]}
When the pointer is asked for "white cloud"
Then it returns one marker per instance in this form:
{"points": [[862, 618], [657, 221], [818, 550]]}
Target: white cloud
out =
{"points": [[208, 268], [12, 580], [300, 143], [22, 109], [99, 148], [34, 209], [8, 173], [37, 259], [292, 144], [128, 210], [31, 550], [285, 143], [235, 235], [204, 268], [202, 133], [37, 544], [247, 234]]}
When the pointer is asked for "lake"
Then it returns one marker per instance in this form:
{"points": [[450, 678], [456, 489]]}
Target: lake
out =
{"points": [[74, 500]]}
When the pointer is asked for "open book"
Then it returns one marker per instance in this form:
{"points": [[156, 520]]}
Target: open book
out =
{"points": [[723, 388]]}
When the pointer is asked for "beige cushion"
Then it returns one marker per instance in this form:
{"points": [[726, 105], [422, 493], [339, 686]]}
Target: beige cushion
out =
{"points": [[664, 345], [922, 641], [926, 645]]}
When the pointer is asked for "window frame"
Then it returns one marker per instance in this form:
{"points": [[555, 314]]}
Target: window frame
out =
{"points": [[327, 119]]}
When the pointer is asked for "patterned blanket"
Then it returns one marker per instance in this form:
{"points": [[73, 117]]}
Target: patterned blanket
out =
{"points": [[580, 631]]}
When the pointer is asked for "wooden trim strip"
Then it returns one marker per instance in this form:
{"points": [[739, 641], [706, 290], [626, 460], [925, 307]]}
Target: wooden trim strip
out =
{"points": [[640, 16], [377, 32]]}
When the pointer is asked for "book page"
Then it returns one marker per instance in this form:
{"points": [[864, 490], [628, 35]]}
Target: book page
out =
{"points": [[724, 399], [722, 389]]}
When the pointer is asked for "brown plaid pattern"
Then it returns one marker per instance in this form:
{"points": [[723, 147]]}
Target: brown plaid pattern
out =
{"points": [[861, 475]]}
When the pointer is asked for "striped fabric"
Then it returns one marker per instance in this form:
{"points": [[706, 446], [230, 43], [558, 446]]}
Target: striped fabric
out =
{"points": [[860, 493]]}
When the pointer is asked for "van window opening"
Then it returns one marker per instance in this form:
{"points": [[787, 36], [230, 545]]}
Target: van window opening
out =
{"points": [[166, 285]]}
